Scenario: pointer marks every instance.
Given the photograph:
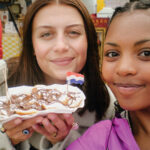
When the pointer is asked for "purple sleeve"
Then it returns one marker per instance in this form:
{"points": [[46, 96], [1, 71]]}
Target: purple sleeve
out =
{"points": [[76, 145], [95, 138]]}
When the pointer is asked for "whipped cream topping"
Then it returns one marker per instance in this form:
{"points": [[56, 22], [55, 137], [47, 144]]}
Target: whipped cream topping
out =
{"points": [[55, 98]]}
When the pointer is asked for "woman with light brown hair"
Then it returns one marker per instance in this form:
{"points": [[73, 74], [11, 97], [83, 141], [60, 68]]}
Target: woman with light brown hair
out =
{"points": [[58, 36]]}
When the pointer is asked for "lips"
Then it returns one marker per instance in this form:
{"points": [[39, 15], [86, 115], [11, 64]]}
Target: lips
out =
{"points": [[62, 61], [128, 88]]}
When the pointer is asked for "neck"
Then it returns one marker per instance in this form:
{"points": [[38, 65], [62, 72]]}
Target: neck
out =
{"points": [[49, 80], [140, 121]]}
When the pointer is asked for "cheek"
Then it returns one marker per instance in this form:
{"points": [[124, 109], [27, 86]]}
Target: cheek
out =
{"points": [[105, 72], [83, 59], [108, 71], [81, 50], [83, 54], [40, 49]]}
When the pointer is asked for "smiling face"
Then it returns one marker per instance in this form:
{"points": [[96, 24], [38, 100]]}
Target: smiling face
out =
{"points": [[59, 41], [126, 63]]}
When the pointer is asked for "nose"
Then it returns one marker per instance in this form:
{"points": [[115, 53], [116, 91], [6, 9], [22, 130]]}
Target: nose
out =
{"points": [[126, 66], [61, 44]]}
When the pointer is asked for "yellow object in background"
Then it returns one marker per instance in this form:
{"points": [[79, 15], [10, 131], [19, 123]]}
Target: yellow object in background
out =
{"points": [[100, 5], [11, 44]]}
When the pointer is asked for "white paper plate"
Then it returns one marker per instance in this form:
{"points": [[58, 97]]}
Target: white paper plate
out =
{"points": [[52, 108]]}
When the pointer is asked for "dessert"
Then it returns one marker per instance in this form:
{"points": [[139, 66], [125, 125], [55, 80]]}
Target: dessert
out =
{"points": [[26, 101]]}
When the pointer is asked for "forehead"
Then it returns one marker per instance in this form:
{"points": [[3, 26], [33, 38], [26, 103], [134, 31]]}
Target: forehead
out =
{"points": [[135, 24], [57, 14]]}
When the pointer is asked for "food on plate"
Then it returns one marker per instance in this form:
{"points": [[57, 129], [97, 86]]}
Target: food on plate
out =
{"points": [[40, 99]]}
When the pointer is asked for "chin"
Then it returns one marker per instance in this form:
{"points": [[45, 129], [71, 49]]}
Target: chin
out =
{"points": [[61, 79], [129, 107]]}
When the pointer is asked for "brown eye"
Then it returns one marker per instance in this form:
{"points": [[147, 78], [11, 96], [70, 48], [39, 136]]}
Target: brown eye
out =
{"points": [[145, 53], [46, 35], [111, 54], [74, 33]]}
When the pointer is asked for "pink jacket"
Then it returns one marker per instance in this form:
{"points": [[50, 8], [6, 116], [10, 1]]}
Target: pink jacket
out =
{"points": [[107, 135]]}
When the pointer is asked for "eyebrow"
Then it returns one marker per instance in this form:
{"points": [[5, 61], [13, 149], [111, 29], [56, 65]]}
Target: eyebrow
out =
{"points": [[75, 25], [69, 26], [141, 42], [112, 44], [136, 43]]}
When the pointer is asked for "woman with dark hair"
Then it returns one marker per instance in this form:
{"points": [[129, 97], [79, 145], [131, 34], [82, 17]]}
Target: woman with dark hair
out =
{"points": [[58, 36], [126, 69]]}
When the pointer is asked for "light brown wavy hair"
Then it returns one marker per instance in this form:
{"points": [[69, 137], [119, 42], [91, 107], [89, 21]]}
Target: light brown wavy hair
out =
{"points": [[28, 72]]}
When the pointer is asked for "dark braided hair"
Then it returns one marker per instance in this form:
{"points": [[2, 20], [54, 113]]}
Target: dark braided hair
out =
{"points": [[129, 7]]}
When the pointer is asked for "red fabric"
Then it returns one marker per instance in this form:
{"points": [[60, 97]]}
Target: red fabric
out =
{"points": [[1, 52]]}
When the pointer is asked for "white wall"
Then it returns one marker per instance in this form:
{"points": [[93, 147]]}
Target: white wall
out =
{"points": [[91, 5]]}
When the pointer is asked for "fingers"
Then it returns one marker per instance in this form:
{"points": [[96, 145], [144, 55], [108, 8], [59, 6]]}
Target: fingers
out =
{"points": [[48, 130], [12, 124], [58, 122], [55, 127], [47, 127], [68, 118], [24, 125], [14, 129], [28, 123], [19, 136]]}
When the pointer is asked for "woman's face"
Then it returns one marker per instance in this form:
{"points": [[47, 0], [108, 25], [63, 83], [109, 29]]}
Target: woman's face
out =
{"points": [[59, 41], [126, 63]]}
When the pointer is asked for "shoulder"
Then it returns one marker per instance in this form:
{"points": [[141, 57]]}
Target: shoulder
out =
{"points": [[101, 128], [94, 138]]}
